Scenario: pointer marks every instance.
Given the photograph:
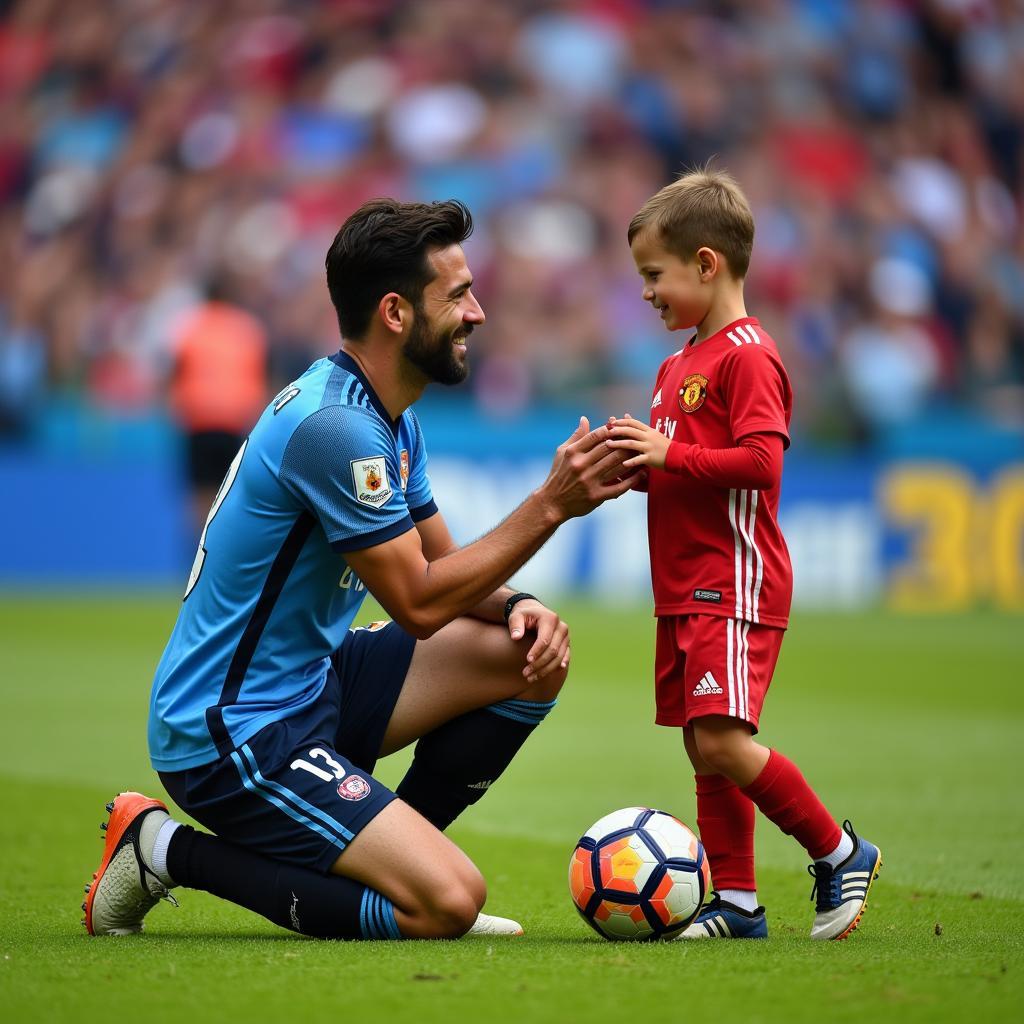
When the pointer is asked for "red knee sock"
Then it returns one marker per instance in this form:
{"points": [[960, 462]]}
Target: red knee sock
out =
{"points": [[725, 818], [783, 795]]}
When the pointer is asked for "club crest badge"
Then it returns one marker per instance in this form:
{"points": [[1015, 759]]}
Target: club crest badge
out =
{"points": [[403, 469], [370, 479], [693, 392], [353, 787]]}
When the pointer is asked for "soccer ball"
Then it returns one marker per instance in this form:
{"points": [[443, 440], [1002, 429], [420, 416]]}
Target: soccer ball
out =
{"points": [[638, 874]]}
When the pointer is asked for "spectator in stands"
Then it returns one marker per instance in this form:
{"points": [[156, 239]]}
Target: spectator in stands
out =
{"points": [[218, 389], [230, 138]]}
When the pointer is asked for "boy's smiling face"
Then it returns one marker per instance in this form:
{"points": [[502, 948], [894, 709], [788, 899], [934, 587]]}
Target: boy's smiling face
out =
{"points": [[677, 289]]}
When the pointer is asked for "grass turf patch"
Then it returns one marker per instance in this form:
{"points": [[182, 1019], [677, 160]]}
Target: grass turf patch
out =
{"points": [[908, 726]]}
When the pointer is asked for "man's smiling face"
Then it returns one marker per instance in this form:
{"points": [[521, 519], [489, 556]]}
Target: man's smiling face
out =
{"points": [[444, 318]]}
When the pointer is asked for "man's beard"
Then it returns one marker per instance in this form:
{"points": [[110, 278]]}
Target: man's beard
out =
{"points": [[433, 353]]}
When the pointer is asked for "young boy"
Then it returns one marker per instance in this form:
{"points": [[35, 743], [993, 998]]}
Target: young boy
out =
{"points": [[712, 465]]}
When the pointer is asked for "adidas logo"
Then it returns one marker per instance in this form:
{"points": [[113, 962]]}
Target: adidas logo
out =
{"points": [[707, 686], [486, 784], [657, 400]]}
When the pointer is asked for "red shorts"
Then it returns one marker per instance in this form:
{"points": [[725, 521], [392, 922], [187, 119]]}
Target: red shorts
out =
{"points": [[709, 665]]}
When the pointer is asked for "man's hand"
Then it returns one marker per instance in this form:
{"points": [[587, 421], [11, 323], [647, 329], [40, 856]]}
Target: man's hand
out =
{"points": [[550, 651], [630, 435], [585, 473]]}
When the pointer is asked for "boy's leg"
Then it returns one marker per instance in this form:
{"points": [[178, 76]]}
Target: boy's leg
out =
{"points": [[687, 667], [770, 780], [845, 864], [725, 820], [729, 667]]}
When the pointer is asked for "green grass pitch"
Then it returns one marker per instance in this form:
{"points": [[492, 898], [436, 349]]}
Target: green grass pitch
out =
{"points": [[910, 727]]}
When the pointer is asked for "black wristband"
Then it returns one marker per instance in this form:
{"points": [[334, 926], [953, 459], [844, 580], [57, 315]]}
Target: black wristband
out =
{"points": [[514, 600]]}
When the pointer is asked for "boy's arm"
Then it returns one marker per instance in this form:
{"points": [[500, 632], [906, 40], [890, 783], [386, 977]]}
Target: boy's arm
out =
{"points": [[755, 388], [755, 462]]}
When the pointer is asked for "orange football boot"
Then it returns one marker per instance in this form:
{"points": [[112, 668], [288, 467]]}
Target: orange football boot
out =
{"points": [[124, 888]]}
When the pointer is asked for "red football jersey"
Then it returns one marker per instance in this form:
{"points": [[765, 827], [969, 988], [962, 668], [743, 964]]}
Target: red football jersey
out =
{"points": [[717, 550]]}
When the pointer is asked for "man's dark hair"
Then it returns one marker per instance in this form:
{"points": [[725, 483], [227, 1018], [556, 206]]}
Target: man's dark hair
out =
{"points": [[382, 248]]}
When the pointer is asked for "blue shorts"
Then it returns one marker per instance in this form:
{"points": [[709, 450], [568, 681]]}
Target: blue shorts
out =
{"points": [[301, 789]]}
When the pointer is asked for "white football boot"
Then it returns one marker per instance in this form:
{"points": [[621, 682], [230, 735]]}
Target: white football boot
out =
{"points": [[487, 924]]}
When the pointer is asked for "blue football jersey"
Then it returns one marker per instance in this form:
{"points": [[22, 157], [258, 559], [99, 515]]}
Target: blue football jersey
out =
{"points": [[270, 596]]}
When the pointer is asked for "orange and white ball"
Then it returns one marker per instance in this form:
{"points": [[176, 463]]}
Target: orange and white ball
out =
{"points": [[638, 874]]}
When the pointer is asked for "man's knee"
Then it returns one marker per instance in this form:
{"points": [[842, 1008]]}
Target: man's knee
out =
{"points": [[454, 912], [453, 907], [548, 688]]}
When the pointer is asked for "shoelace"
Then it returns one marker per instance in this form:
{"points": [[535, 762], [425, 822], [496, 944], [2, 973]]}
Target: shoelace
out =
{"points": [[713, 905], [826, 883], [825, 886], [156, 888]]}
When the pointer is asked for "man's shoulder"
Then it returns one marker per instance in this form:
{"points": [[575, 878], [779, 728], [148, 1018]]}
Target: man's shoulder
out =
{"points": [[325, 385], [327, 394], [324, 410], [334, 429]]}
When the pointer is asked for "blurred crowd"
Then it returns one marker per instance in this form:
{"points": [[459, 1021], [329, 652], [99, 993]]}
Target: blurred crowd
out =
{"points": [[155, 152]]}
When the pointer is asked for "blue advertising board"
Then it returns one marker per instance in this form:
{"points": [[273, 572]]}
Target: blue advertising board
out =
{"points": [[917, 535]]}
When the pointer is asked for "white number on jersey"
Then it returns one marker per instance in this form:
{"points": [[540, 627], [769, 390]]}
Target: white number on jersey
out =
{"points": [[222, 493]]}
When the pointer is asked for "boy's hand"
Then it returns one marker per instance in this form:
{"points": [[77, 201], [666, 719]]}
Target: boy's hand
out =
{"points": [[585, 473], [650, 445]]}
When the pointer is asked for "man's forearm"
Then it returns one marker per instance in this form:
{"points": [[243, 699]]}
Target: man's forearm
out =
{"points": [[471, 580], [424, 593], [492, 607]]}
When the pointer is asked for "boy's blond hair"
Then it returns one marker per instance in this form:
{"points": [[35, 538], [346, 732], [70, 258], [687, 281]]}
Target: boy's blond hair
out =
{"points": [[701, 208]]}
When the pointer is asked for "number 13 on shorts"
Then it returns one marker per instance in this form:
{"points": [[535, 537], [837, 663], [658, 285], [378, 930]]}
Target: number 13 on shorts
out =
{"points": [[336, 774]]}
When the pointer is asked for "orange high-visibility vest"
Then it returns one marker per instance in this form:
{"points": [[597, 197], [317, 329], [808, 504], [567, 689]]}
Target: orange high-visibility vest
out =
{"points": [[220, 378]]}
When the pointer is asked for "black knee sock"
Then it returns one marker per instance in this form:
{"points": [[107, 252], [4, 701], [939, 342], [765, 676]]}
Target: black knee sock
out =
{"points": [[456, 763], [324, 906]]}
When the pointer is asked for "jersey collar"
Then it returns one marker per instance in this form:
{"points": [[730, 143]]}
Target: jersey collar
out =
{"points": [[346, 362]]}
